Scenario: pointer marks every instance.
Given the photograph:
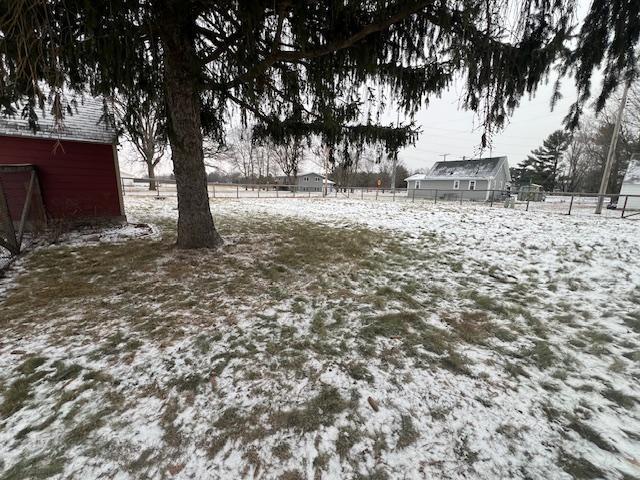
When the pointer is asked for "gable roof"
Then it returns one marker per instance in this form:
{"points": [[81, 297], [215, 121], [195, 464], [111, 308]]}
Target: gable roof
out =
{"points": [[477, 168], [85, 124], [416, 176], [632, 177]]}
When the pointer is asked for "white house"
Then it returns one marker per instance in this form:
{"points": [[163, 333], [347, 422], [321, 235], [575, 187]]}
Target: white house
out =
{"points": [[470, 179], [631, 185]]}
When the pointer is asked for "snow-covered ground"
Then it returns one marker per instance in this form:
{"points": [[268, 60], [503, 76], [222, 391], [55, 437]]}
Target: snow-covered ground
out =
{"points": [[328, 339]]}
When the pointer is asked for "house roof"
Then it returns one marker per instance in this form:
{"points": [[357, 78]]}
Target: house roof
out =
{"points": [[632, 177], [86, 123], [416, 176], [477, 168]]}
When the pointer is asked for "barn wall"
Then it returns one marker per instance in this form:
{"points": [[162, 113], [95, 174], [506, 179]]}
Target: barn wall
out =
{"points": [[78, 180]]}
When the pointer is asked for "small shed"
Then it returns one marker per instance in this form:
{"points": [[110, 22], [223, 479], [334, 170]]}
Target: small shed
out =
{"points": [[631, 185], [76, 164], [531, 193]]}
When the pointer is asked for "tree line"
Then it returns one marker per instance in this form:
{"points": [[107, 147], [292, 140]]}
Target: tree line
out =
{"points": [[573, 161]]}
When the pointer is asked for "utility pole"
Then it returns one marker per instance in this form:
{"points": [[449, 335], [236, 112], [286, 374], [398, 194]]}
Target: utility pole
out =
{"points": [[612, 150], [444, 156]]}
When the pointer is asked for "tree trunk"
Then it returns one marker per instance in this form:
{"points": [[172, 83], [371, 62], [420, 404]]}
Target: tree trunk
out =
{"points": [[151, 175], [195, 223]]}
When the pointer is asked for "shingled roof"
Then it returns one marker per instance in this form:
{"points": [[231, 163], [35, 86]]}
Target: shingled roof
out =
{"points": [[481, 168], [85, 124]]}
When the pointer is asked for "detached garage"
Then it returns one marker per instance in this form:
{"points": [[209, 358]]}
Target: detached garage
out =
{"points": [[75, 165]]}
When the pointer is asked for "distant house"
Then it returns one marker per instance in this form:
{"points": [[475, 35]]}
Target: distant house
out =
{"points": [[470, 179], [309, 182], [631, 184]]}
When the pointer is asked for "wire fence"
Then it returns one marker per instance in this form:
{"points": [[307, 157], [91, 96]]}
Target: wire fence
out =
{"points": [[568, 203]]}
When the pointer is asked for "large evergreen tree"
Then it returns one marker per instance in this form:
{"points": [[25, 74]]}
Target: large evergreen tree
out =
{"points": [[542, 166], [300, 68]]}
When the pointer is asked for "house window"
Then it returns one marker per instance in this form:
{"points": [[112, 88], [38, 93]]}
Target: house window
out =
{"points": [[417, 184], [456, 184], [472, 184], [306, 179]]}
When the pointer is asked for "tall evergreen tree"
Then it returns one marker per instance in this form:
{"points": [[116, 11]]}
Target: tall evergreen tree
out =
{"points": [[542, 166], [299, 67]]}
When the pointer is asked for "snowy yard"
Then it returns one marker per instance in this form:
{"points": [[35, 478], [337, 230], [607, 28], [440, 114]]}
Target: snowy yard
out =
{"points": [[327, 339]]}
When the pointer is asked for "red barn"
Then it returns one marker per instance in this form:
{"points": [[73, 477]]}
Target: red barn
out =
{"points": [[76, 164]]}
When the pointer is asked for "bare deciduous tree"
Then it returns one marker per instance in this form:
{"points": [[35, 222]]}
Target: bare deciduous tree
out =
{"points": [[142, 124]]}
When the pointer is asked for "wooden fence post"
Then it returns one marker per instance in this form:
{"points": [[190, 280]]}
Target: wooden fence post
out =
{"points": [[624, 206], [570, 205]]}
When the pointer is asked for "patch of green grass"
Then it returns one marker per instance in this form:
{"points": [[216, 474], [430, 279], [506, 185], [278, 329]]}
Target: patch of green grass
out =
{"points": [[320, 410], [292, 475], [464, 451], [347, 438], [359, 371], [408, 434], [516, 370], [35, 468], [15, 397], [172, 435], [389, 325], [472, 326], [588, 433], [189, 382], [65, 372], [31, 364], [620, 398], [455, 362], [37, 427], [318, 324], [282, 451], [579, 468], [79, 434], [542, 355], [505, 334]]}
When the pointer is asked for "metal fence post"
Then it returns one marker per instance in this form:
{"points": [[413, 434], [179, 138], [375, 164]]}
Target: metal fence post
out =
{"points": [[237, 191], [624, 206], [214, 190], [570, 205], [413, 198], [157, 189], [362, 193], [277, 195], [527, 209], [435, 197], [461, 197], [122, 182], [491, 203], [394, 194], [376, 193], [258, 191]]}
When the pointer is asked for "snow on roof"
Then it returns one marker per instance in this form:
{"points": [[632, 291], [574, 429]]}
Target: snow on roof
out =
{"points": [[416, 176], [632, 177], [85, 123], [474, 168]]}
